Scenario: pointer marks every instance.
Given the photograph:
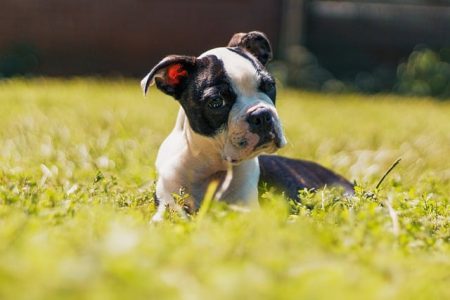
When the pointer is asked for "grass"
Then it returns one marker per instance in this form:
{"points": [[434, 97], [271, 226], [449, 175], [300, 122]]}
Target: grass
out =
{"points": [[76, 184]]}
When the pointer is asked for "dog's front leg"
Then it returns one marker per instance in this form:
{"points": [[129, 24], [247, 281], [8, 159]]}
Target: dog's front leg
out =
{"points": [[243, 189], [165, 199]]}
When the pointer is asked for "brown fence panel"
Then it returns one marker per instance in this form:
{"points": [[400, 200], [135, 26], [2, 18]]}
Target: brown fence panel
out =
{"points": [[124, 36]]}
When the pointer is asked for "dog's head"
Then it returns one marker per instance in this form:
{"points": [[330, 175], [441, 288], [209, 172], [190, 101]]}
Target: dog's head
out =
{"points": [[226, 92]]}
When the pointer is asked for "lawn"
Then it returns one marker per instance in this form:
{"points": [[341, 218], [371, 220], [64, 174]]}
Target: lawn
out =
{"points": [[76, 196]]}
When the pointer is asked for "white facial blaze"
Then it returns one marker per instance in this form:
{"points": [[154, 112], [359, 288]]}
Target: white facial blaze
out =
{"points": [[243, 75]]}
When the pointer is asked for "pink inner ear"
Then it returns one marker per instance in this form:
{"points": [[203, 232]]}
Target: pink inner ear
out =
{"points": [[174, 73]]}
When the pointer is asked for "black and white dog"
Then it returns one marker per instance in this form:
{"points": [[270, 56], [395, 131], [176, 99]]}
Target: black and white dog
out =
{"points": [[226, 120]]}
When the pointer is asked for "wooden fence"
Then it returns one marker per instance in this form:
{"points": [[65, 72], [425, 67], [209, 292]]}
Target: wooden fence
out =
{"points": [[127, 37]]}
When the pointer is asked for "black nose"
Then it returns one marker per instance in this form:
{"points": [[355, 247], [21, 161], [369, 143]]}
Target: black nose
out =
{"points": [[260, 120]]}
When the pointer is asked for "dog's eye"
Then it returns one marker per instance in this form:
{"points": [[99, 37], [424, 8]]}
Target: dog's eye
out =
{"points": [[216, 103], [267, 86]]}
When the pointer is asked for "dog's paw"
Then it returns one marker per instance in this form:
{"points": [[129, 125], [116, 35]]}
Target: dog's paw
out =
{"points": [[157, 218]]}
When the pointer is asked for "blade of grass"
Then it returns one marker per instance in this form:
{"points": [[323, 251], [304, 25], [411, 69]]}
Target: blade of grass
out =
{"points": [[387, 173], [215, 191]]}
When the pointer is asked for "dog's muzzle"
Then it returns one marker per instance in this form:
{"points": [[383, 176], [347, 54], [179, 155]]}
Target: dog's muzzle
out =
{"points": [[262, 122], [253, 130]]}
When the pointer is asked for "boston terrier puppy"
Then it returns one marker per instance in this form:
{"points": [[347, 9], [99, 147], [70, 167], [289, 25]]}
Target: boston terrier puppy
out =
{"points": [[227, 119]]}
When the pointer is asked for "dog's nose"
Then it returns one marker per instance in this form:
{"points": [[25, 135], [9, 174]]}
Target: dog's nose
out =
{"points": [[260, 120]]}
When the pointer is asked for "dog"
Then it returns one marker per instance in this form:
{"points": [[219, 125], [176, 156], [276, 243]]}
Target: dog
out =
{"points": [[226, 121]]}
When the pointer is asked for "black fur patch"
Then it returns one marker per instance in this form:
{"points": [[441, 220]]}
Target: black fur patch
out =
{"points": [[209, 81], [291, 175]]}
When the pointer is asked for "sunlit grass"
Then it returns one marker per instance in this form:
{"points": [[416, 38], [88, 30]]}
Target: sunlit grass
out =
{"points": [[76, 196]]}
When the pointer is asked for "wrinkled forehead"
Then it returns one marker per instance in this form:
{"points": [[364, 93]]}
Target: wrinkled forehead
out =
{"points": [[240, 68]]}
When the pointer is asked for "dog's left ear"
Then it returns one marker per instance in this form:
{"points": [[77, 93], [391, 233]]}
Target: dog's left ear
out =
{"points": [[170, 75], [254, 42]]}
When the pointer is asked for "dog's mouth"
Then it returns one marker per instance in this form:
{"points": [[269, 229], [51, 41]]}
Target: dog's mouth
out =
{"points": [[232, 161], [270, 140], [246, 147]]}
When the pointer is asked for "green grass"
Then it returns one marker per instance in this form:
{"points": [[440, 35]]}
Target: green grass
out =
{"points": [[76, 184]]}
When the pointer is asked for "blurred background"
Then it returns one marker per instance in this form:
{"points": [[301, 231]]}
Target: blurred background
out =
{"points": [[371, 46]]}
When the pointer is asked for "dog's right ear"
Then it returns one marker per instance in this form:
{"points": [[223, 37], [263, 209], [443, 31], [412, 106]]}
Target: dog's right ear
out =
{"points": [[170, 75], [256, 43]]}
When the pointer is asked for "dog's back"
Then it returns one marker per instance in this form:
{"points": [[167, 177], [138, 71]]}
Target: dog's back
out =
{"points": [[291, 175]]}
